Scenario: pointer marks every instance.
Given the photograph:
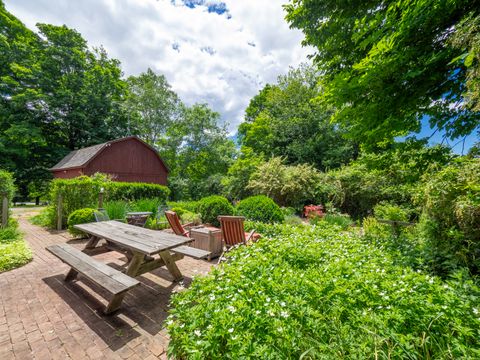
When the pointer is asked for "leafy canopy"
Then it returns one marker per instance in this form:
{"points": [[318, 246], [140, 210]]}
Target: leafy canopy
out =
{"points": [[385, 65], [282, 120]]}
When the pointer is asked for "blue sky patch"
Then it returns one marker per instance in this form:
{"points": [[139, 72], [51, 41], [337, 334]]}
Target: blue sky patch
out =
{"points": [[216, 7]]}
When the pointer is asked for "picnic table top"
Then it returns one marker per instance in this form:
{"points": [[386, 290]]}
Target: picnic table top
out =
{"points": [[135, 213], [137, 239]]}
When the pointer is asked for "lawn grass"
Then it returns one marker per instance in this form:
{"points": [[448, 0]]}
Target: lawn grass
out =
{"points": [[14, 251]]}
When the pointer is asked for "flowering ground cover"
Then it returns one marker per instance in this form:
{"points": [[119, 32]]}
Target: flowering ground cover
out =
{"points": [[14, 252], [316, 292]]}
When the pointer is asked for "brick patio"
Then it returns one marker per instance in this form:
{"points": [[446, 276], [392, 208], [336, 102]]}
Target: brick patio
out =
{"points": [[41, 317]]}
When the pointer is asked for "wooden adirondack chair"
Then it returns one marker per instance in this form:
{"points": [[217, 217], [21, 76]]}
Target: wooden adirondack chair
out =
{"points": [[177, 226], [233, 231]]}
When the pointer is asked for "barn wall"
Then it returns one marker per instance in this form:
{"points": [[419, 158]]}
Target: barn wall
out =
{"points": [[129, 160], [67, 174]]}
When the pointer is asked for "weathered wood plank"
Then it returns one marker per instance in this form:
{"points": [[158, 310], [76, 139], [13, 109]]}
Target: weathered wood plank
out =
{"points": [[105, 276], [147, 241], [192, 252]]}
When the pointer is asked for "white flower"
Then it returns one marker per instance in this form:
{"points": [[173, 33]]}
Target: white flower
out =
{"points": [[198, 332], [283, 304], [231, 308], [212, 297], [268, 299], [280, 329], [271, 313], [230, 330], [284, 314], [475, 311]]}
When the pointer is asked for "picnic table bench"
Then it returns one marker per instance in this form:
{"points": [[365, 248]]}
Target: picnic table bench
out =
{"points": [[140, 246], [114, 281]]}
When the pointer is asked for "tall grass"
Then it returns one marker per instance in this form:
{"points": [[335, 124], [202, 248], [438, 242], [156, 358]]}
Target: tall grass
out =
{"points": [[116, 210]]}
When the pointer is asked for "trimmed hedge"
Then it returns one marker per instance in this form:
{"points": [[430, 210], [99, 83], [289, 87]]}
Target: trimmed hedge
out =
{"points": [[211, 207], [260, 208], [82, 192], [80, 216]]}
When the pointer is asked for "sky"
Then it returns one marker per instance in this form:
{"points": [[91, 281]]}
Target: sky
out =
{"points": [[211, 51], [219, 52]]}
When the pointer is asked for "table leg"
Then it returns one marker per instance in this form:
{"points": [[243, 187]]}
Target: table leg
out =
{"points": [[115, 303], [92, 242], [71, 275], [135, 264], [171, 265]]}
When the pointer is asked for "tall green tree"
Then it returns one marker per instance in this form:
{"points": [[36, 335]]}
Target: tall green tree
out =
{"points": [[153, 106], [56, 95], [204, 153], [284, 120], [387, 64]]}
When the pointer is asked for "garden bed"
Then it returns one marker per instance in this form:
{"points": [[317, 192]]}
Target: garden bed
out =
{"points": [[319, 292], [14, 251]]}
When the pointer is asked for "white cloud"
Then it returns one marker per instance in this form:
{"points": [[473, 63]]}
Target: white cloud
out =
{"points": [[219, 59]]}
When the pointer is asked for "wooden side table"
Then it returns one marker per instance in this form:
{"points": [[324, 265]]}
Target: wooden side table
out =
{"points": [[209, 239]]}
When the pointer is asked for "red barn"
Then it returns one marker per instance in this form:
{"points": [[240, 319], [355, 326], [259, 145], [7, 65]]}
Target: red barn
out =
{"points": [[127, 159]]}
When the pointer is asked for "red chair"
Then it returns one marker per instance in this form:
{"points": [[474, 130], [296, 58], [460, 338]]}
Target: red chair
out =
{"points": [[177, 226], [233, 231]]}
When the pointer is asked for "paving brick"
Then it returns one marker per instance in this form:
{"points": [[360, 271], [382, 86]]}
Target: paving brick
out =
{"points": [[42, 317]]}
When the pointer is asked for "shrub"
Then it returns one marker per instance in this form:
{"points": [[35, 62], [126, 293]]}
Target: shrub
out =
{"points": [[260, 208], [450, 221], [287, 185], [80, 216], [211, 207], [313, 292], [387, 211], [191, 206]]}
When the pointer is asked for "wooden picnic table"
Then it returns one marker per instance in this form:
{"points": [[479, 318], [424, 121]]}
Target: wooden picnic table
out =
{"points": [[140, 245]]}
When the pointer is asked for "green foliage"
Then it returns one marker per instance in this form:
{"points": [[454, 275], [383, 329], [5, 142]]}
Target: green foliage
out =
{"points": [[150, 205], [391, 175], [152, 105], [7, 188], [80, 216], [191, 206], [467, 38], [287, 185], [450, 220], [392, 212], [235, 183], [283, 120], [116, 210], [189, 217], [387, 65], [315, 292], [7, 185], [14, 252], [260, 208], [134, 191], [342, 220], [212, 206], [82, 192], [57, 95]]}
